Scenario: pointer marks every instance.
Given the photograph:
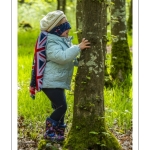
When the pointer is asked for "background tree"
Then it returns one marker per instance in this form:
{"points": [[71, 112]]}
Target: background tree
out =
{"points": [[130, 19], [88, 129], [120, 56], [21, 1], [61, 5]]}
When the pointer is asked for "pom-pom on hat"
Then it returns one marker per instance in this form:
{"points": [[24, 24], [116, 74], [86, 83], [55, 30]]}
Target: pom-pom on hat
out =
{"points": [[49, 21]]}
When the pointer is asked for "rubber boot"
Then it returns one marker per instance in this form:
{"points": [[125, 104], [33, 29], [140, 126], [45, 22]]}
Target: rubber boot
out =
{"points": [[60, 131], [51, 130]]}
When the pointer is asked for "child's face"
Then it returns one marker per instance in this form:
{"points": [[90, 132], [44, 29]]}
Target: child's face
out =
{"points": [[65, 33]]}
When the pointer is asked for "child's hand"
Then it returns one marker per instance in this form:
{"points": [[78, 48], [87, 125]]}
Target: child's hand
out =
{"points": [[84, 44]]}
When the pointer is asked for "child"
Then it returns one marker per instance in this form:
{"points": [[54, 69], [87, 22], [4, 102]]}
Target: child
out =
{"points": [[60, 60]]}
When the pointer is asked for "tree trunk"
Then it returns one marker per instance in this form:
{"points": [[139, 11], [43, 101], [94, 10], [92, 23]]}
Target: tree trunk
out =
{"points": [[21, 1], [88, 129], [61, 5], [79, 19], [120, 57], [130, 19]]}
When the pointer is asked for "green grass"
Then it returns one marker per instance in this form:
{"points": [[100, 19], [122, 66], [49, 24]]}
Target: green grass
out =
{"points": [[118, 101], [118, 108]]}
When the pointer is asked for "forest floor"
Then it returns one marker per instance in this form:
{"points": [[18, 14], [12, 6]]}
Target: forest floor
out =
{"points": [[27, 143]]}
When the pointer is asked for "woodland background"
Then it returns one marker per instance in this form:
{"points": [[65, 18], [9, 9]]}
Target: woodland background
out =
{"points": [[32, 113]]}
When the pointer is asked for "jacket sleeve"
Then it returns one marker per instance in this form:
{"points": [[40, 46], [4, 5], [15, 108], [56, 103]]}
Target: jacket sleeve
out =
{"points": [[56, 53]]}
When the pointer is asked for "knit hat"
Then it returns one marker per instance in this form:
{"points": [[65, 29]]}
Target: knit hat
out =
{"points": [[49, 21]]}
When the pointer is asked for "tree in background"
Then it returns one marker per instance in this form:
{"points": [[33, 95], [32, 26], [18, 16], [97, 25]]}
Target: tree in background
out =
{"points": [[120, 56], [130, 19], [61, 5], [21, 1], [88, 129], [79, 19]]}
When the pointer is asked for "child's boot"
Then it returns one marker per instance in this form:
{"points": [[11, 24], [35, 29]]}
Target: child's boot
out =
{"points": [[61, 132], [53, 131], [50, 129]]}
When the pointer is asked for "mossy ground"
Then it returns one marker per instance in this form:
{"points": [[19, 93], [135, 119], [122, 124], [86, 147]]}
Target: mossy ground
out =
{"points": [[48, 145], [84, 137]]}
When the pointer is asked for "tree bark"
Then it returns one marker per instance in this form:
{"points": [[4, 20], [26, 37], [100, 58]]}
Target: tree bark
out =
{"points": [[120, 57], [130, 19], [88, 129], [79, 19]]}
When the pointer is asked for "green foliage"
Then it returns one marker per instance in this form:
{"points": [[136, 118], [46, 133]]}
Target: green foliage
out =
{"points": [[130, 40], [38, 9], [47, 145], [33, 13], [42, 145], [26, 42]]}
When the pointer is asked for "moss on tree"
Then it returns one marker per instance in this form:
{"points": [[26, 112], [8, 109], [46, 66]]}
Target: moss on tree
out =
{"points": [[120, 60], [100, 139]]}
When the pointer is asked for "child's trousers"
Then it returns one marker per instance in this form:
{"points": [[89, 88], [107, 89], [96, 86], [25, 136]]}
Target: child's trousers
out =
{"points": [[58, 99]]}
